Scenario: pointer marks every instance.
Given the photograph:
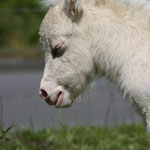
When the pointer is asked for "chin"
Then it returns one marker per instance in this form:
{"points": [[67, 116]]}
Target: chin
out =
{"points": [[66, 103]]}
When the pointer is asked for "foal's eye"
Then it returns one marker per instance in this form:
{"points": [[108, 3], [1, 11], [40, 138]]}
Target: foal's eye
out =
{"points": [[58, 51], [55, 53]]}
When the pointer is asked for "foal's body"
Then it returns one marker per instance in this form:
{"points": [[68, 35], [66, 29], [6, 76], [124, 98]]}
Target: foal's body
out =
{"points": [[96, 38]]}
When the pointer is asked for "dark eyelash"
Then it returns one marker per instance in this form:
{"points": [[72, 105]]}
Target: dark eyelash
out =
{"points": [[54, 53], [57, 53]]}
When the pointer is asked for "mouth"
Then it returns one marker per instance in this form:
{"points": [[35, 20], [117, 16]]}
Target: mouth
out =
{"points": [[57, 101], [59, 97]]}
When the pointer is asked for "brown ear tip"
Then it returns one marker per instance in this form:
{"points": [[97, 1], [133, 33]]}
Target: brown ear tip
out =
{"points": [[78, 16], [73, 10]]}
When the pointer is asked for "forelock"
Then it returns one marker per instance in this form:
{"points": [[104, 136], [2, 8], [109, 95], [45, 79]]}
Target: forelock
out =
{"points": [[50, 3]]}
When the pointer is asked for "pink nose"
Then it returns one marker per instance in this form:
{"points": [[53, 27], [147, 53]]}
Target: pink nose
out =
{"points": [[56, 98]]}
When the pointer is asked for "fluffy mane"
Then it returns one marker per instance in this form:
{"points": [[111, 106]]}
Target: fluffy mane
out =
{"points": [[133, 4]]}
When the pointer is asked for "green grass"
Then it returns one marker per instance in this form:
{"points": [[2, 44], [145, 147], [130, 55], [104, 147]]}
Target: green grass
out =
{"points": [[127, 137]]}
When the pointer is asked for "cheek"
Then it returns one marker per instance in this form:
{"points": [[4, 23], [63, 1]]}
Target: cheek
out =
{"points": [[73, 81], [69, 74]]}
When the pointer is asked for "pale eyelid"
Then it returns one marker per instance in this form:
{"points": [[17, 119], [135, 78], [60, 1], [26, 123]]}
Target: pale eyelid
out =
{"points": [[58, 45]]}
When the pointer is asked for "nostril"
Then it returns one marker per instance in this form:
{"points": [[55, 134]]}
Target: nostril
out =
{"points": [[44, 93]]}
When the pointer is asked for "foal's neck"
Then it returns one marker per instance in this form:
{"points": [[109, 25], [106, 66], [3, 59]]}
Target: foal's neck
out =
{"points": [[118, 35]]}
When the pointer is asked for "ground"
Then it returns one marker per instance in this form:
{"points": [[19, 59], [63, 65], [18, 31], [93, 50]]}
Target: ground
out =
{"points": [[126, 137]]}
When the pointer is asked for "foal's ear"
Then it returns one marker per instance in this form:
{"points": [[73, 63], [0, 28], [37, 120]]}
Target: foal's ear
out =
{"points": [[73, 9]]}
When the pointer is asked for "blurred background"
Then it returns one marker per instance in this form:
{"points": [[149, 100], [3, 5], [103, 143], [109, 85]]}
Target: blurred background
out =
{"points": [[21, 69]]}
